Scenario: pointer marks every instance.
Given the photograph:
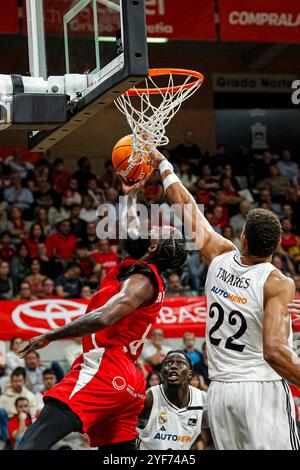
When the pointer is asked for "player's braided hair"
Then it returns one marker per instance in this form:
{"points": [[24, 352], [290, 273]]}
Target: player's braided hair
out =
{"points": [[262, 231], [170, 254]]}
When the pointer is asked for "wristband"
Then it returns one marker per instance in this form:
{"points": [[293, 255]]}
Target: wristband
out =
{"points": [[170, 179], [165, 165]]}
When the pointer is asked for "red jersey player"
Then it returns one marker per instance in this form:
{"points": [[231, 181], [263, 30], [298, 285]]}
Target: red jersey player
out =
{"points": [[104, 391]]}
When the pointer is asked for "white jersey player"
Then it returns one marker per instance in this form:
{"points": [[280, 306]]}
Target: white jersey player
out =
{"points": [[174, 412], [248, 327]]}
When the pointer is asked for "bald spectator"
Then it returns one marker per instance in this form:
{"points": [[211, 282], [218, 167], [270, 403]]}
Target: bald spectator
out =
{"points": [[155, 351], [237, 221]]}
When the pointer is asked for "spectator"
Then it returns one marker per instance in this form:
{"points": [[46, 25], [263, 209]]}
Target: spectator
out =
{"points": [[262, 165], [49, 380], [18, 424], [6, 282], [59, 176], [62, 244], [45, 196], [277, 184], [154, 378], [219, 159], [13, 360], [282, 262], [96, 193], [289, 240], [34, 372], [175, 288], [228, 233], [16, 195], [267, 203], [219, 218], [35, 279], [237, 221], [83, 174], [188, 149], [105, 256], [197, 270], [68, 285], [7, 249], [86, 292], [90, 239], [42, 219], [201, 192], [14, 390], [155, 351], [48, 289], [88, 211], [19, 266], [287, 167], [153, 189], [71, 195], [197, 381], [36, 236], [109, 178], [72, 351], [25, 292], [201, 368], [84, 259], [186, 176], [17, 226], [78, 226], [189, 341], [17, 164]]}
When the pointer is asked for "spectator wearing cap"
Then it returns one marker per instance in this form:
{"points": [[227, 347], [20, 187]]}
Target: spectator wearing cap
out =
{"points": [[189, 342], [68, 285], [62, 243], [155, 351], [18, 424], [25, 292]]}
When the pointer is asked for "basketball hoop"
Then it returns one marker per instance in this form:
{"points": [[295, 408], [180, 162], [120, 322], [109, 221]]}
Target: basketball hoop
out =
{"points": [[148, 120]]}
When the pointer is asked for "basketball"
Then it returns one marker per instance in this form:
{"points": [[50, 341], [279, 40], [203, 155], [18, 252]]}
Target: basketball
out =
{"points": [[131, 170]]}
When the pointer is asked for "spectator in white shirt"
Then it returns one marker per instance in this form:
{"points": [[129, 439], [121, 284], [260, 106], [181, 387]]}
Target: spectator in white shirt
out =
{"points": [[287, 167], [49, 380], [34, 372], [12, 358]]}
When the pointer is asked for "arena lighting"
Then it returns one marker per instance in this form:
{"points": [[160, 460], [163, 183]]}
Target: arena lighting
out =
{"points": [[149, 40]]}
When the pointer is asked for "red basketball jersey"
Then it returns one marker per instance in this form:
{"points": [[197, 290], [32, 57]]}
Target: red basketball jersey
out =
{"points": [[130, 332]]}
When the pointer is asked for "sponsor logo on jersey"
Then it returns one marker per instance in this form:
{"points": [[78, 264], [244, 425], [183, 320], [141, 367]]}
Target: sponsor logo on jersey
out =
{"points": [[234, 281], [192, 421], [226, 295], [172, 437], [162, 418], [119, 383]]}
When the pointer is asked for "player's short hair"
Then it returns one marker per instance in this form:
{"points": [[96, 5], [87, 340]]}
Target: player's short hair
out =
{"points": [[262, 231], [181, 353], [170, 254]]}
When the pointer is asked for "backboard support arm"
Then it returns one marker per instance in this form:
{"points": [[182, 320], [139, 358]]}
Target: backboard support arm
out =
{"points": [[36, 38]]}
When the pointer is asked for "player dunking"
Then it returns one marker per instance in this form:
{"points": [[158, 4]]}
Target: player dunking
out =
{"points": [[104, 391], [249, 335]]}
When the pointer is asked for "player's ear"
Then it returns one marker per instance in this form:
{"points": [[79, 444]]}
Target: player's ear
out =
{"points": [[152, 247]]}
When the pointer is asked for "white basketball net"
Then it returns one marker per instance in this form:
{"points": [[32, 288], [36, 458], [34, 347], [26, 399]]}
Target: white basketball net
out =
{"points": [[148, 121]]}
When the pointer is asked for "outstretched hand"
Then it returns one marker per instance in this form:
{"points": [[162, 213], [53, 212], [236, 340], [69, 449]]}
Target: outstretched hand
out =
{"points": [[38, 342], [128, 188]]}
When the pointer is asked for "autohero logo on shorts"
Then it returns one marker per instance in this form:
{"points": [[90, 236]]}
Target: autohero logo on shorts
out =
{"points": [[42, 315]]}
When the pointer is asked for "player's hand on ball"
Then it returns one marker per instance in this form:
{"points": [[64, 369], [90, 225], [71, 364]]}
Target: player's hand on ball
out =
{"points": [[38, 342], [294, 307], [155, 157]]}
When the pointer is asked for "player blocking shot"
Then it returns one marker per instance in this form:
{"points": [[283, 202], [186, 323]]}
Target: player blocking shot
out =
{"points": [[248, 331], [115, 327], [174, 413]]}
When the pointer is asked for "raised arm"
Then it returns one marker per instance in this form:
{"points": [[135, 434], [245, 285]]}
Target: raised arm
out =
{"points": [[279, 292], [137, 290], [197, 227]]}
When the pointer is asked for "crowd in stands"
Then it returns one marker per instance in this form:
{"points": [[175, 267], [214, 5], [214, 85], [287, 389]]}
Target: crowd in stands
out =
{"points": [[49, 247]]}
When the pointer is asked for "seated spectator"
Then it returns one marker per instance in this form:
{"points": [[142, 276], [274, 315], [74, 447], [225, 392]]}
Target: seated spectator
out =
{"points": [[83, 174], [34, 372], [153, 189], [227, 194], [49, 380], [90, 238], [219, 159], [14, 390], [18, 424], [189, 342], [35, 279], [62, 244], [155, 351], [78, 226], [188, 149], [6, 282], [186, 176], [17, 164], [211, 182], [197, 270], [42, 219], [86, 292], [228, 233], [57, 214], [154, 378], [277, 184], [228, 173], [50, 267], [84, 259], [18, 196], [48, 289], [13, 360], [109, 178], [68, 285], [266, 200], [88, 210], [219, 218], [59, 176], [19, 266], [36, 236], [104, 255], [237, 221], [175, 288], [72, 351], [201, 367], [201, 193], [289, 240], [197, 381], [288, 212], [262, 165], [7, 249], [95, 192], [17, 226], [45, 196], [25, 292], [287, 167], [282, 262], [71, 195]]}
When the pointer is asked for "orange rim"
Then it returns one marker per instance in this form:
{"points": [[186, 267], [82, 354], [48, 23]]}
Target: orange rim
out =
{"points": [[160, 72]]}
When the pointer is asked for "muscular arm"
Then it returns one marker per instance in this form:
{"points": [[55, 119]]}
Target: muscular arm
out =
{"points": [[137, 290], [279, 291], [198, 229], [146, 411]]}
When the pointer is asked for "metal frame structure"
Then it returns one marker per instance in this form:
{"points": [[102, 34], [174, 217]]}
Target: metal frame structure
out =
{"points": [[36, 38]]}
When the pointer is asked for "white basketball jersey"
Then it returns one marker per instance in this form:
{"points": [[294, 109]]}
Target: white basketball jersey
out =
{"points": [[234, 328], [172, 428]]}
